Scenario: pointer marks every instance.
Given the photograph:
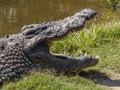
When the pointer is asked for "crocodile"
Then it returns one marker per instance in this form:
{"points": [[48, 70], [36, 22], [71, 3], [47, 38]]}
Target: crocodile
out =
{"points": [[20, 53]]}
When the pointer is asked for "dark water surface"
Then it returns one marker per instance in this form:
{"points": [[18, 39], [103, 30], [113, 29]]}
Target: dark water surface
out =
{"points": [[16, 13]]}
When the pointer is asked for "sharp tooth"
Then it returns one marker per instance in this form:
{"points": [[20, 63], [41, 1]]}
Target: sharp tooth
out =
{"points": [[97, 57], [85, 54]]}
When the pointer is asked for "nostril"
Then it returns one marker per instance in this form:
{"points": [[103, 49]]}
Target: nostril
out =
{"points": [[2, 47], [96, 60]]}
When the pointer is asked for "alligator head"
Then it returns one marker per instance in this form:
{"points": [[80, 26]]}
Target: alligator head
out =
{"points": [[29, 48]]}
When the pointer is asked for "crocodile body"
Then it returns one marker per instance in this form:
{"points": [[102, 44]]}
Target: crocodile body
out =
{"points": [[21, 52]]}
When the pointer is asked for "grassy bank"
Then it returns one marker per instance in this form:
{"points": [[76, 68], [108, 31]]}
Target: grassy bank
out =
{"points": [[102, 40]]}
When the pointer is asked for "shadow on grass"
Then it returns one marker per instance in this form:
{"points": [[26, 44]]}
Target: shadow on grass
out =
{"points": [[100, 78]]}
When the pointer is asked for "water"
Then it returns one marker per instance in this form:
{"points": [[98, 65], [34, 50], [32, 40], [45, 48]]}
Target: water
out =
{"points": [[16, 13]]}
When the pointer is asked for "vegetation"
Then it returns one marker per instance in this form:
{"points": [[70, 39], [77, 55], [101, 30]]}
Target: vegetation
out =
{"points": [[112, 1], [114, 4], [101, 39]]}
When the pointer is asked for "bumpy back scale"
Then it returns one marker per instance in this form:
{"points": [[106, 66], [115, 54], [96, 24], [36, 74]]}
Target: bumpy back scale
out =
{"points": [[13, 63]]}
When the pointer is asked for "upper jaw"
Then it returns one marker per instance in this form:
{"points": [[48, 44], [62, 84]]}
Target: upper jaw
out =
{"points": [[87, 13], [54, 30]]}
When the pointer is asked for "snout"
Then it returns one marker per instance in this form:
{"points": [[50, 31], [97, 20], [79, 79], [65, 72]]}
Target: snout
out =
{"points": [[89, 61]]}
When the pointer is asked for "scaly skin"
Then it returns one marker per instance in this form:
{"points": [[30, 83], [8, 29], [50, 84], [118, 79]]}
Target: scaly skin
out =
{"points": [[21, 52]]}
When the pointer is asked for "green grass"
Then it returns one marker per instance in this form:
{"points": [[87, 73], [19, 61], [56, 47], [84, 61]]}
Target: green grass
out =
{"points": [[102, 40], [40, 81]]}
